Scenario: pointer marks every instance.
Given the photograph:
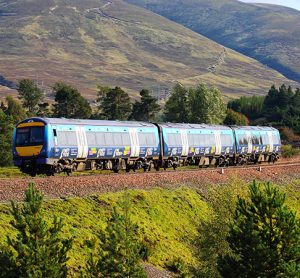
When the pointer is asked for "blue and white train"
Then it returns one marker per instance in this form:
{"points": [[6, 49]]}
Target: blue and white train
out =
{"points": [[50, 145]]}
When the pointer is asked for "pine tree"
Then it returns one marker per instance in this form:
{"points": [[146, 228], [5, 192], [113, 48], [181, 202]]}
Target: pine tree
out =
{"points": [[176, 108], [69, 103], [119, 252], [39, 250], [114, 104], [264, 237], [145, 109]]}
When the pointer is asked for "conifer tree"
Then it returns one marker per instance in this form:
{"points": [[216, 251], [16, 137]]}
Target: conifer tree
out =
{"points": [[114, 104], [39, 250], [264, 237], [145, 109], [176, 108], [119, 252], [69, 103]]}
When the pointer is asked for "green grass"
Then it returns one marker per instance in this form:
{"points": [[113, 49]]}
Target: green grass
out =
{"points": [[168, 219], [10, 172]]}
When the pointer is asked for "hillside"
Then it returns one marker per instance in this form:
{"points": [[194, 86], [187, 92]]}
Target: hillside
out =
{"points": [[169, 220], [268, 33], [114, 43]]}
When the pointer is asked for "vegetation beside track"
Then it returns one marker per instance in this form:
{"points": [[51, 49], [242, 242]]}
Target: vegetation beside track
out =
{"points": [[168, 220]]}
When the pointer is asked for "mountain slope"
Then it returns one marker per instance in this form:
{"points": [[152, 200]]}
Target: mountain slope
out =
{"points": [[92, 42], [268, 33]]}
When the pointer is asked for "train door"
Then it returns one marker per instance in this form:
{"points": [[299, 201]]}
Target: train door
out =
{"points": [[249, 139], [54, 130], [81, 142], [271, 143], [135, 148], [218, 142], [184, 142]]}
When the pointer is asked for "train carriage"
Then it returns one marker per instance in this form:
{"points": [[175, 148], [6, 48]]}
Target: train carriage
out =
{"points": [[256, 144], [196, 144], [52, 145]]}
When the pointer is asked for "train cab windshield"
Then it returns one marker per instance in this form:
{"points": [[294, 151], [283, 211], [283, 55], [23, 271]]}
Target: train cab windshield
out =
{"points": [[30, 136]]}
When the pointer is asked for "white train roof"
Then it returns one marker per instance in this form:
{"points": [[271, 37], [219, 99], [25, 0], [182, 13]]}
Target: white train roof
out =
{"points": [[64, 121], [194, 126]]}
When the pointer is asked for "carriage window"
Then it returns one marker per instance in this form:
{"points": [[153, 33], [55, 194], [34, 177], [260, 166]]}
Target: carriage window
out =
{"points": [[146, 139], [67, 138], [100, 139], [108, 139], [117, 139], [265, 138], [243, 139], [191, 140], [91, 138], [142, 139], [255, 139], [126, 139], [174, 139], [226, 140]]}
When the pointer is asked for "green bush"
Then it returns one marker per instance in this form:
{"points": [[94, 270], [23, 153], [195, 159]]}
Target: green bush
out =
{"points": [[289, 151]]}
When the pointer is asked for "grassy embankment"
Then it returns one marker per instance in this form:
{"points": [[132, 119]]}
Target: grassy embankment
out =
{"points": [[168, 220]]}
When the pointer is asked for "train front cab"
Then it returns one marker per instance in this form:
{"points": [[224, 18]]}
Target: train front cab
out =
{"points": [[30, 146]]}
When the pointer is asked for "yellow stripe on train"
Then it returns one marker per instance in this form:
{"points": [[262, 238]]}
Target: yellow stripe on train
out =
{"points": [[31, 124], [29, 151]]}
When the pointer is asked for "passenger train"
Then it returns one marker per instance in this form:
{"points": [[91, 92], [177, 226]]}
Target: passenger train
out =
{"points": [[52, 145]]}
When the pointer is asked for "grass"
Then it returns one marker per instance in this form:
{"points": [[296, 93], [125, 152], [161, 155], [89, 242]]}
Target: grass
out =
{"points": [[169, 220]]}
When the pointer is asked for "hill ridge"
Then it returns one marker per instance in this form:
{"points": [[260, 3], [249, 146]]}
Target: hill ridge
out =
{"points": [[118, 44]]}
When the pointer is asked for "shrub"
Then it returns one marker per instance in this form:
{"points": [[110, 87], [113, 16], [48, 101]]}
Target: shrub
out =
{"points": [[264, 236]]}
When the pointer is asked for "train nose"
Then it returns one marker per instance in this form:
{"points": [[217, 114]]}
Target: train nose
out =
{"points": [[29, 151]]}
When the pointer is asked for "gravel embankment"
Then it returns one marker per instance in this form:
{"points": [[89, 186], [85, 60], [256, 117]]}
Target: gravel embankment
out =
{"points": [[59, 187]]}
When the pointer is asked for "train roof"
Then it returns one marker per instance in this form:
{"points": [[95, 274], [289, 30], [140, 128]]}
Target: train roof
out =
{"points": [[64, 121], [194, 126], [254, 128]]}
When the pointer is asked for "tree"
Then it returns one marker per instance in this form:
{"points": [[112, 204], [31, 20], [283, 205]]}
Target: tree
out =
{"points": [[176, 108], [235, 118], [69, 103], [30, 95], [264, 236], [113, 103], [146, 109], [119, 252], [15, 110], [38, 249], [252, 106], [206, 105], [6, 133]]}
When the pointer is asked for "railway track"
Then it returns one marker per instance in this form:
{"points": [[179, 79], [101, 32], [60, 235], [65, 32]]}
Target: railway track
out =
{"points": [[93, 184]]}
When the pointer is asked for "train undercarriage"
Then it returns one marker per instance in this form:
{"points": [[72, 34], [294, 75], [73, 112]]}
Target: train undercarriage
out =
{"points": [[69, 166]]}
